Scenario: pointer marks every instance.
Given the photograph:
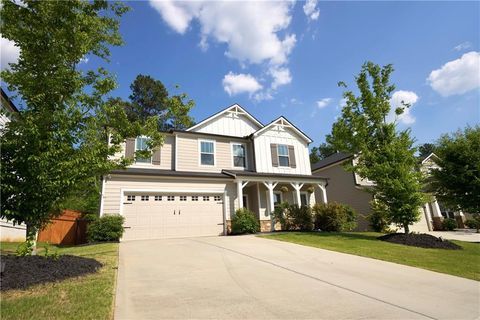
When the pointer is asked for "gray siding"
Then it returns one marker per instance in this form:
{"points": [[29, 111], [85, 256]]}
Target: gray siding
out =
{"points": [[342, 189]]}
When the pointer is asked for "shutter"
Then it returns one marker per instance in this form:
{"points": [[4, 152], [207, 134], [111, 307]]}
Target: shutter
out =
{"points": [[130, 148], [273, 148], [156, 157], [291, 155]]}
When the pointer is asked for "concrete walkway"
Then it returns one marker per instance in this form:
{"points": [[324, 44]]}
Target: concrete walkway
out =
{"points": [[468, 235], [254, 278]]}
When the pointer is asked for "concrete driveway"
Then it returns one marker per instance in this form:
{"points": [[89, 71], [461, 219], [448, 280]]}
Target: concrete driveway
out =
{"points": [[253, 278]]}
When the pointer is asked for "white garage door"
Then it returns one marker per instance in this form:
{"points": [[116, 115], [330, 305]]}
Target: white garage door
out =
{"points": [[157, 216]]}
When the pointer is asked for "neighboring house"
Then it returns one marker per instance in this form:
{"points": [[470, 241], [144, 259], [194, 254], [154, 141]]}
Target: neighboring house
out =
{"points": [[195, 182], [349, 188], [8, 231]]}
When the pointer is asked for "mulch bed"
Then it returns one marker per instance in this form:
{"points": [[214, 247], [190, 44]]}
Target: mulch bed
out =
{"points": [[23, 272], [420, 240]]}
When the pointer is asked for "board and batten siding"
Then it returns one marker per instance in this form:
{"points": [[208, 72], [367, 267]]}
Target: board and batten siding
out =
{"points": [[188, 153], [229, 125], [263, 154], [113, 188]]}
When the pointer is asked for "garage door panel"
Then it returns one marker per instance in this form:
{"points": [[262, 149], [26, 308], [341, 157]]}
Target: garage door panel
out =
{"points": [[172, 216]]}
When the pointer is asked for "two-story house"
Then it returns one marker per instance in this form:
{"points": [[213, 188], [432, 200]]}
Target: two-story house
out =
{"points": [[195, 182]]}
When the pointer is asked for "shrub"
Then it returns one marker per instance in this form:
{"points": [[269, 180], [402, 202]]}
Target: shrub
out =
{"points": [[245, 221], [106, 228], [474, 223], [449, 224], [334, 217], [293, 217], [379, 220]]}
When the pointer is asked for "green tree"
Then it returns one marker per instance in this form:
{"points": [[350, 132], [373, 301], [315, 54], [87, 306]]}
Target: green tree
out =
{"points": [[383, 154], [150, 98], [67, 132], [426, 149], [324, 150], [457, 182]]}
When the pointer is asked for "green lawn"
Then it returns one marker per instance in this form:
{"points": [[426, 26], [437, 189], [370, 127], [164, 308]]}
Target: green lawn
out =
{"points": [[463, 263], [87, 297]]}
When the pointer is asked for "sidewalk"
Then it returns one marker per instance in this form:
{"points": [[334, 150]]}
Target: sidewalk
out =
{"points": [[468, 235]]}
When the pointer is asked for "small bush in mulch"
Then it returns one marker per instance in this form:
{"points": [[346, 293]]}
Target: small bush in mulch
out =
{"points": [[420, 240], [23, 272]]}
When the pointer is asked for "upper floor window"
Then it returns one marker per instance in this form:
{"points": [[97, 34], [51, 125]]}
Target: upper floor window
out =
{"points": [[207, 153], [238, 150], [141, 144], [283, 158]]}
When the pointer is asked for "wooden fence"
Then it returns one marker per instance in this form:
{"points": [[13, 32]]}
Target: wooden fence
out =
{"points": [[67, 229]]}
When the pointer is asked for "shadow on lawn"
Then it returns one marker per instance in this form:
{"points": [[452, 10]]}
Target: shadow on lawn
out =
{"points": [[23, 272], [346, 236]]}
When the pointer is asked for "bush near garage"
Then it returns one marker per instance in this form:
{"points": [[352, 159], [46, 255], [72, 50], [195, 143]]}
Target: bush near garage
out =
{"points": [[245, 221], [449, 224], [106, 228], [334, 217]]}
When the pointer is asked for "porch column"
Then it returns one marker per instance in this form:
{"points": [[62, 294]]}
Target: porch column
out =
{"points": [[297, 186], [270, 185], [436, 216], [323, 188], [240, 185], [240, 194], [428, 216]]}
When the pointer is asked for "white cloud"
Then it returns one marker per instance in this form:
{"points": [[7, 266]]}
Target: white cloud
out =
{"points": [[457, 76], [235, 84], [324, 102], [9, 52], [463, 46], [281, 76], [254, 32], [398, 100], [250, 29], [310, 9], [342, 103]]}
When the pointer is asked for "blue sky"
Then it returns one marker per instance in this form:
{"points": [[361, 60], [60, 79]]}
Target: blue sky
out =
{"points": [[277, 58]]}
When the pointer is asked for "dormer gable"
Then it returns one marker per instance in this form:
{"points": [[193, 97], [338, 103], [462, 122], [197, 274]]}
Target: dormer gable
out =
{"points": [[232, 121], [281, 124]]}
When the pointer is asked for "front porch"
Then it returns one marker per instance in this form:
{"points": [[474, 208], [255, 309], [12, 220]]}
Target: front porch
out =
{"points": [[260, 193]]}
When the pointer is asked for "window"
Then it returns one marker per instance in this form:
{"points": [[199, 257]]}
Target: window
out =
{"points": [[283, 160], [304, 199], [158, 198], [141, 144], [277, 198], [217, 198], [183, 198], [207, 153], [194, 198], [238, 151], [130, 198], [144, 198], [206, 198], [245, 201], [170, 198]]}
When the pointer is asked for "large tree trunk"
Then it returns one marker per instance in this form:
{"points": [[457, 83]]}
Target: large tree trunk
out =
{"points": [[406, 228]]}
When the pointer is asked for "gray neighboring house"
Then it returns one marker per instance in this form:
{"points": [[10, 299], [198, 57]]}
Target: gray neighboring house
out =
{"points": [[8, 231], [349, 188]]}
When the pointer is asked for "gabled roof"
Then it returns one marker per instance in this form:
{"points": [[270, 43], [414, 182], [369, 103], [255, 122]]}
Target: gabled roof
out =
{"points": [[284, 122], [333, 159], [431, 155], [235, 107]]}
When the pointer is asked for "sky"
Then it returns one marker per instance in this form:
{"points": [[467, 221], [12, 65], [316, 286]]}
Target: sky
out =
{"points": [[285, 58]]}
